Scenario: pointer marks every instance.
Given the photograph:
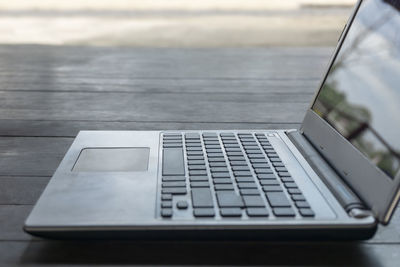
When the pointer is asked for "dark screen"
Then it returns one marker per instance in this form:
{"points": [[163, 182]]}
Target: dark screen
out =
{"points": [[360, 97]]}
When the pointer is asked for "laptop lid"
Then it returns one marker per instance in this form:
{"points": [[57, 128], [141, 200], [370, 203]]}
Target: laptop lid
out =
{"points": [[354, 119]]}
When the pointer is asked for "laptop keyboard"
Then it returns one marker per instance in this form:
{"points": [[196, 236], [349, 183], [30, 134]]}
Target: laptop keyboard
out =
{"points": [[242, 172]]}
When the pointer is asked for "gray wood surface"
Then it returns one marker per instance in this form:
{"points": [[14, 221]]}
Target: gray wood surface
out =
{"points": [[48, 94]]}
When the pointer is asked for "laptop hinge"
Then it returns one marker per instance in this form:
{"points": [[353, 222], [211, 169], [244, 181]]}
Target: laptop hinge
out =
{"points": [[343, 193]]}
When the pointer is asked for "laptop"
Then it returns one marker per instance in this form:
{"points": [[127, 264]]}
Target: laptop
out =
{"points": [[337, 177]]}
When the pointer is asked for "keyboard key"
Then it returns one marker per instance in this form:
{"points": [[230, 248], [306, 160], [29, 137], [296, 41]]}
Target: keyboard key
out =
{"points": [[294, 191], [281, 169], [240, 154], [173, 184], [190, 158], [217, 164], [231, 144], [269, 182], [202, 198], [172, 145], [257, 212], [212, 143], [214, 151], [198, 178], [197, 167], [223, 187], [166, 197], [215, 155], [199, 212], [261, 166], [306, 212], [247, 185], [255, 156], [233, 149], [266, 176], [218, 169], [229, 199], [260, 171], [173, 163], [275, 160], [227, 135], [166, 213], [222, 181], [199, 184], [238, 163], [216, 159], [172, 137], [194, 153], [194, 142], [264, 161], [212, 146], [220, 175], [244, 179], [196, 162], [277, 199], [173, 178], [192, 136], [236, 158], [287, 179], [172, 141], [166, 204], [252, 150], [210, 135], [195, 148], [284, 174], [249, 192], [272, 188], [298, 197], [194, 145], [242, 173], [283, 212], [302, 204], [278, 164], [174, 190], [230, 212], [290, 185], [197, 173], [253, 201], [182, 205], [240, 168]]}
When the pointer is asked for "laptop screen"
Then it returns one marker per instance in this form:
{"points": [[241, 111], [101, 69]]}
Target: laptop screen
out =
{"points": [[360, 96]]}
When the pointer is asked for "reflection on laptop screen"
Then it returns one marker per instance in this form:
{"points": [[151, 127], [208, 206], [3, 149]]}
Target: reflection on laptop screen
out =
{"points": [[360, 97]]}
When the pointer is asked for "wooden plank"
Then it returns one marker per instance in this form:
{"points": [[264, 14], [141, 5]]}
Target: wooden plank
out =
{"points": [[30, 156], [24, 190], [115, 253], [192, 107], [164, 85], [105, 63]]}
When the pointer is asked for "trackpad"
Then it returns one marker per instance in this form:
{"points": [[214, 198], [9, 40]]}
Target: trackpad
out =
{"points": [[126, 159]]}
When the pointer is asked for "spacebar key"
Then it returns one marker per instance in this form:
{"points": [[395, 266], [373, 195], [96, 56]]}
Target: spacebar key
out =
{"points": [[173, 161]]}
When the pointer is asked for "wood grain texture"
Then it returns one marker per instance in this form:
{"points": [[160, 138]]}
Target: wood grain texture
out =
{"points": [[48, 94]]}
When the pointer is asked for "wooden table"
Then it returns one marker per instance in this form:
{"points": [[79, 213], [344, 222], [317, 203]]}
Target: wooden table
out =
{"points": [[48, 94]]}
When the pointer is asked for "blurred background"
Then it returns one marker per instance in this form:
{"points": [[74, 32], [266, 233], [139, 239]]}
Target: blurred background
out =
{"points": [[174, 23]]}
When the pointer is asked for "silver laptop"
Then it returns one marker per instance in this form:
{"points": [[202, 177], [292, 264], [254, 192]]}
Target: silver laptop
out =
{"points": [[336, 177]]}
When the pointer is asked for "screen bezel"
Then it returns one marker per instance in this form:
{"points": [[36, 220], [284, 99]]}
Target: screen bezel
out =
{"points": [[379, 191]]}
